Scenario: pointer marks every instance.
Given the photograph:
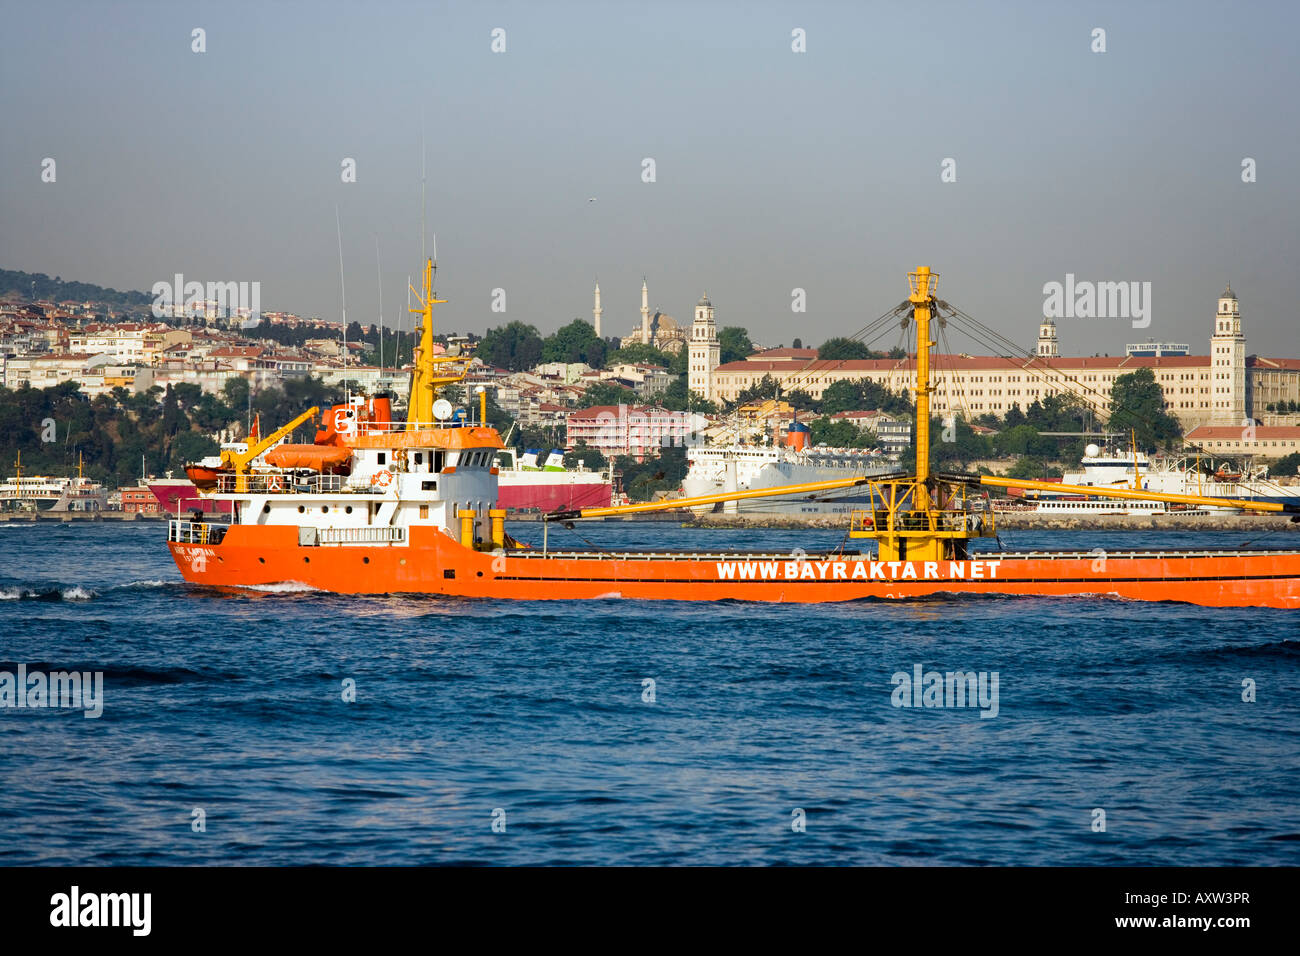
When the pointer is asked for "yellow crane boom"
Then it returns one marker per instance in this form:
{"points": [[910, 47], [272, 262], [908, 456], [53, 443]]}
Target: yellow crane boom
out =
{"points": [[1244, 504], [238, 461], [671, 504]]}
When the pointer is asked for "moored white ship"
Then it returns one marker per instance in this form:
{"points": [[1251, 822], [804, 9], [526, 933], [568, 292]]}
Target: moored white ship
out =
{"points": [[1128, 470], [738, 467]]}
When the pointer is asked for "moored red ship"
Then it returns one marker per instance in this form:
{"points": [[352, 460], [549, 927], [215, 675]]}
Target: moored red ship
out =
{"points": [[414, 507], [523, 485]]}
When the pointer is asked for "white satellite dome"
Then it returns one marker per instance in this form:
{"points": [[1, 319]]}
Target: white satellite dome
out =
{"points": [[1092, 451]]}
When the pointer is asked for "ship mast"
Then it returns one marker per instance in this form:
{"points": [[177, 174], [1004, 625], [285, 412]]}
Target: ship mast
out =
{"points": [[430, 372], [923, 284]]}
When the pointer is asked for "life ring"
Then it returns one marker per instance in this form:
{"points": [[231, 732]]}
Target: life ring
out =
{"points": [[341, 419], [382, 479], [868, 523], [274, 483]]}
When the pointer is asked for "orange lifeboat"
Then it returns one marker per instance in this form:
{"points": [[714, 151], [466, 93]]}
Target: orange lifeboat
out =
{"points": [[204, 477], [319, 458]]}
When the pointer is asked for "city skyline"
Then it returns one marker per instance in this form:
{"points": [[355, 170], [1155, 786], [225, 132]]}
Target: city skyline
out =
{"points": [[775, 170]]}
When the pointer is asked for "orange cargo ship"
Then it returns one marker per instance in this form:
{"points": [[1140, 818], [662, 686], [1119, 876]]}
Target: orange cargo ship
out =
{"points": [[377, 506]]}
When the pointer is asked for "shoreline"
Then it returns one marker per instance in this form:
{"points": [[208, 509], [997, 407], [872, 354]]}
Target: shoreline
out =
{"points": [[34, 516], [1028, 521]]}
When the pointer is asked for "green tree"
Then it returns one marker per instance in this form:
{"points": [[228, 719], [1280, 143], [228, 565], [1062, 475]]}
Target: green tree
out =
{"points": [[677, 397], [765, 388], [642, 480], [607, 393], [173, 419], [863, 395], [842, 348], [1290, 465], [733, 344], [575, 342], [188, 447], [838, 433], [963, 446], [1032, 469], [635, 353], [1137, 402], [590, 457], [515, 346]]}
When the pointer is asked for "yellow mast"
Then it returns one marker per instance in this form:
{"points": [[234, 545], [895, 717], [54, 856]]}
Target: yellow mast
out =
{"points": [[426, 376], [922, 296]]}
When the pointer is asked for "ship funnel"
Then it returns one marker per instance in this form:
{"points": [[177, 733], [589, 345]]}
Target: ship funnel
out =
{"points": [[798, 436]]}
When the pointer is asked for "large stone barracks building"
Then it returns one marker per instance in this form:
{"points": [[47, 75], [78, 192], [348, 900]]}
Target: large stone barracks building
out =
{"points": [[1228, 393]]}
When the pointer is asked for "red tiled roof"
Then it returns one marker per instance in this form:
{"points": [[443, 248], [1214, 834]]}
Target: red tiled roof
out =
{"points": [[772, 354], [1258, 361], [596, 411], [1234, 433], [975, 363]]}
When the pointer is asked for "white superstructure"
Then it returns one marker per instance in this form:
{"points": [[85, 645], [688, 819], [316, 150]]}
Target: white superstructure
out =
{"points": [[737, 467]]}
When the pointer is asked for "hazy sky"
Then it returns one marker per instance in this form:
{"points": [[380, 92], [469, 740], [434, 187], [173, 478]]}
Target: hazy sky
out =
{"points": [[775, 170]]}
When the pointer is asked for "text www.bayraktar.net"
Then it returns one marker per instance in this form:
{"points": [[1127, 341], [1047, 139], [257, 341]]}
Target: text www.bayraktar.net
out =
{"points": [[1203, 923]]}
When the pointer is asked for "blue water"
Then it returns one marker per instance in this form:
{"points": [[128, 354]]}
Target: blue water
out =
{"points": [[233, 704]]}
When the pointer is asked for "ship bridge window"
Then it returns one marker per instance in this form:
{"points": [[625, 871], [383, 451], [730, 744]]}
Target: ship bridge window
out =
{"points": [[383, 458]]}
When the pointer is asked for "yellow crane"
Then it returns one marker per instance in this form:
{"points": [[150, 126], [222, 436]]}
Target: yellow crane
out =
{"points": [[238, 461]]}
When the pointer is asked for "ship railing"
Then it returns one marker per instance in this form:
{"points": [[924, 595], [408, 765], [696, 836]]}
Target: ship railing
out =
{"points": [[365, 535], [196, 532], [276, 484], [388, 428], [954, 522]]}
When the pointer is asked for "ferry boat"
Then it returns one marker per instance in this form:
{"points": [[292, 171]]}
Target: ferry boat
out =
{"points": [[413, 507], [31, 492], [81, 494], [1085, 506], [1174, 475], [54, 494], [739, 467]]}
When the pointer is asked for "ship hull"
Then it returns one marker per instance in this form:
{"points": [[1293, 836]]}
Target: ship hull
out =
{"points": [[557, 496], [433, 563], [709, 479], [185, 497]]}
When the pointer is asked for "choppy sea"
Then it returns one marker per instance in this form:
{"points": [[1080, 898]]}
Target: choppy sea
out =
{"points": [[527, 733]]}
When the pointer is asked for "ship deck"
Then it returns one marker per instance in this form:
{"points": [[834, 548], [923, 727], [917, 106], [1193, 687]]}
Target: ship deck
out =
{"points": [[537, 553]]}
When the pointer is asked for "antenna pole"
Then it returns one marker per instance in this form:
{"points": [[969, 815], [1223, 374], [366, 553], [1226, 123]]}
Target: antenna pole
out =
{"points": [[380, 272], [344, 296], [422, 170]]}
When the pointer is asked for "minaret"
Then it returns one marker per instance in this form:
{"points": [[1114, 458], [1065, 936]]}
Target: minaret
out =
{"points": [[596, 310], [1048, 347], [645, 312], [704, 350], [1228, 364]]}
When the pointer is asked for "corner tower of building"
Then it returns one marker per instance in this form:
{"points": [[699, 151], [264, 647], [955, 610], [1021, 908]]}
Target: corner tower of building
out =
{"points": [[1048, 344], [705, 352], [1228, 398]]}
